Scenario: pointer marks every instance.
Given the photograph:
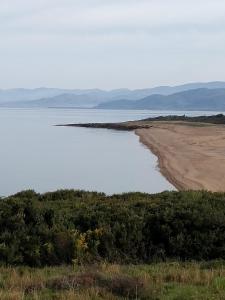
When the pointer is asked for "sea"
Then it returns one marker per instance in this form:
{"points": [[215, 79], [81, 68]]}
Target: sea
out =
{"points": [[35, 154]]}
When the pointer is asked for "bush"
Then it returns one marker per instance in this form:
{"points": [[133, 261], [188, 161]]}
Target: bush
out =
{"points": [[77, 226]]}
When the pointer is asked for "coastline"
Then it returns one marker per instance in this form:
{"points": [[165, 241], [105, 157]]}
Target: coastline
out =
{"points": [[165, 168], [190, 158], [190, 150]]}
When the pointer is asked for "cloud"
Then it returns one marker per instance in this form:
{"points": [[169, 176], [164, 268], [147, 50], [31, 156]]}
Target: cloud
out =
{"points": [[111, 43], [107, 17]]}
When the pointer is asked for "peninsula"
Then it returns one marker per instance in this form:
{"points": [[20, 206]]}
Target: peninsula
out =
{"points": [[190, 150]]}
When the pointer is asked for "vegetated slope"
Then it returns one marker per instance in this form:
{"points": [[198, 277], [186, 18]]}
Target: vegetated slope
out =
{"points": [[213, 119], [147, 123], [75, 226], [199, 99]]}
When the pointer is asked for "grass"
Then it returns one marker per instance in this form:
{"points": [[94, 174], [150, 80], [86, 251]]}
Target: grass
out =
{"points": [[166, 281]]}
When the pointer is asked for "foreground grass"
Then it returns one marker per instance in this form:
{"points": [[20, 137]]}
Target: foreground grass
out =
{"points": [[164, 281]]}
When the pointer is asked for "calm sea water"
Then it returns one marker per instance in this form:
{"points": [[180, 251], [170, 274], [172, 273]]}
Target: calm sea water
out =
{"points": [[34, 154]]}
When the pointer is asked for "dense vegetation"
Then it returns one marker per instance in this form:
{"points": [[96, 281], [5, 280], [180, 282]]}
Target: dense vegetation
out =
{"points": [[70, 227], [127, 126], [214, 119], [147, 123]]}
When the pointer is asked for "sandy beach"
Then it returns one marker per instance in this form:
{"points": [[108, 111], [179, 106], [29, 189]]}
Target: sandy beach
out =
{"points": [[190, 157]]}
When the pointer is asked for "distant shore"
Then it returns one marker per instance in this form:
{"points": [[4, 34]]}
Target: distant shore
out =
{"points": [[190, 151]]}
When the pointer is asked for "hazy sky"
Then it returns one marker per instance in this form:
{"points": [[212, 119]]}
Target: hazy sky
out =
{"points": [[110, 43]]}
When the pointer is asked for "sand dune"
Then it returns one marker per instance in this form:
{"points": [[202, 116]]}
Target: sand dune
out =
{"points": [[190, 157]]}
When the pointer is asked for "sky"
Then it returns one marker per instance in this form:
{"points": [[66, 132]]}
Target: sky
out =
{"points": [[110, 43]]}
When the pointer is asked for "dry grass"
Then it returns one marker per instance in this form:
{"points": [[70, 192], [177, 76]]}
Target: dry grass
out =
{"points": [[157, 281]]}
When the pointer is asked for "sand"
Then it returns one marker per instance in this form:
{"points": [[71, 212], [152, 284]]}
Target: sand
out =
{"points": [[190, 157]]}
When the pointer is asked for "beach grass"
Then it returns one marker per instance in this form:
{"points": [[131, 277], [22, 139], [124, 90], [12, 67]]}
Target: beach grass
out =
{"points": [[164, 281]]}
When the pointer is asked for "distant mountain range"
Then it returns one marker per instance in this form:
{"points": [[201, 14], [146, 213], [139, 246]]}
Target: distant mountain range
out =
{"points": [[62, 100], [198, 99], [193, 96]]}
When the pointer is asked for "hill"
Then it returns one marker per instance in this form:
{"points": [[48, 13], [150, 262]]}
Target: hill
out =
{"points": [[54, 97], [62, 100], [198, 99]]}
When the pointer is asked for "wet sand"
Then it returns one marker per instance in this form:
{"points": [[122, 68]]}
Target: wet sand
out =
{"points": [[190, 157]]}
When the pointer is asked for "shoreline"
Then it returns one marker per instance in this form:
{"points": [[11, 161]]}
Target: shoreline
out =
{"points": [[190, 150], [162, 164], [190, 158], [160, 160]]}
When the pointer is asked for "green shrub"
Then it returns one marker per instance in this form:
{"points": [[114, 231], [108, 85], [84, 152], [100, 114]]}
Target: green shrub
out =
{"points": [[76, 226]]}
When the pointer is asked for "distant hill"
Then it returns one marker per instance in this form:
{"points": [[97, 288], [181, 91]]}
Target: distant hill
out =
{"points": [[169, 90], [198, 99], [53, 97], [16, 95], [64, 100]]}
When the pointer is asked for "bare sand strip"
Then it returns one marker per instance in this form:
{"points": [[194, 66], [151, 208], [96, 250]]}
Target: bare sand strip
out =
{"points": [[190, 157]]}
